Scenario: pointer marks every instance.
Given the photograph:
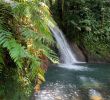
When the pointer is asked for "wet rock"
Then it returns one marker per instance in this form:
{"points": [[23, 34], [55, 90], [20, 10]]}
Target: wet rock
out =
{"points": [[78, 52], [96, 98], [95, 95], [58, 98]]}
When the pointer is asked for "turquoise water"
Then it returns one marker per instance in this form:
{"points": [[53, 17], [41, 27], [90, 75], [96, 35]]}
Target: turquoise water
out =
{"points": [[77, 82]]}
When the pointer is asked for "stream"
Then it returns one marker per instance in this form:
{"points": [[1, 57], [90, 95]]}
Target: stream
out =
{"points": [[76, 82]]}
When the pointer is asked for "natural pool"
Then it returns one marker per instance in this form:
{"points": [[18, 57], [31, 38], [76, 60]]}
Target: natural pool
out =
{"points": [[77, 82]]}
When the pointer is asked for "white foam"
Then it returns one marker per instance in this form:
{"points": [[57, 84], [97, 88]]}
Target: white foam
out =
{"points": [[74, 67]]}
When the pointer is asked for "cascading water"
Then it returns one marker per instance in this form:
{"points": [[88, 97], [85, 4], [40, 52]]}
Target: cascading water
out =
{"points": [[67, 56]]}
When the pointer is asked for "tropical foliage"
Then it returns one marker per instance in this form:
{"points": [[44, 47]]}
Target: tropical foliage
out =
{"points": [[86, 22], [25, 46]]}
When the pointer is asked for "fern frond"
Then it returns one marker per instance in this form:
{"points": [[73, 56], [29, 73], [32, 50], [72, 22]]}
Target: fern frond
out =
{"points": [[40, 42], [18, 52], [51, 55], [15, 49], [45, 39]]}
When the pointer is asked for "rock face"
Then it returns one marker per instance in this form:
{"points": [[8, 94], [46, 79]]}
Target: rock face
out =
{"points": [[79, 54], [95, 59], [83, 56]]}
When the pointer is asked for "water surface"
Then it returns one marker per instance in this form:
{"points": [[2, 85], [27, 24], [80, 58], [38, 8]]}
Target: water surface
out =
{"points": [[76, 82]]}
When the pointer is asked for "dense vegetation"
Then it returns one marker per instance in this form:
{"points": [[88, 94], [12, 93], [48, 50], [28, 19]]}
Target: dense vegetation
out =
{"points": [[25, 47], [26, 41], [86, 22]]}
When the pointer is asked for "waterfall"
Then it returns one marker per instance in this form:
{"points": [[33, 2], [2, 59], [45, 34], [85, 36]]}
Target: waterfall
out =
{"points": [[66, 54]]}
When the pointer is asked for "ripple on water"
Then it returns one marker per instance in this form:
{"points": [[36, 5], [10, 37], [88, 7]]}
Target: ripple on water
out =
{"points": [[58, 91]]}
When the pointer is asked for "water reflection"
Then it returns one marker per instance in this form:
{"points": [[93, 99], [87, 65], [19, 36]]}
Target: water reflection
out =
{"points": [[86, 82], [59, 91], [89, 82]]}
